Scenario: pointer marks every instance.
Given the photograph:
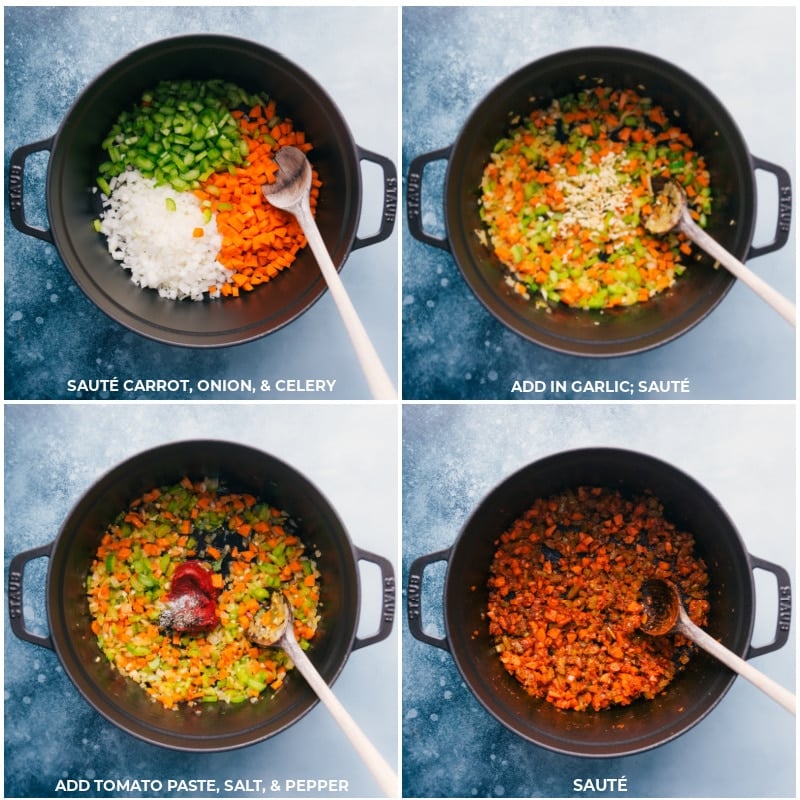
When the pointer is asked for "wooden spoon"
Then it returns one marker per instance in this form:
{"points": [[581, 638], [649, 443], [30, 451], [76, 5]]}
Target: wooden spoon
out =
{"points": [[290, 191], [672, 213], [273, 626], [664, 613]]}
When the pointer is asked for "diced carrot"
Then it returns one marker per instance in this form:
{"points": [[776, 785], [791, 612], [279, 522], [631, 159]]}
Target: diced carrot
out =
{"points": [[249, 224]]}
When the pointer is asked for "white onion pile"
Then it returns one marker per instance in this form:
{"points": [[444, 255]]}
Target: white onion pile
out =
{"points": [[150, 231]]}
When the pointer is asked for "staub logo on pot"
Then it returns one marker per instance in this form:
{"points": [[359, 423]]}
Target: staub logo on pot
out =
{"points": [[15, 183], [388, 598], [784, 607], [15, 594], [785, 209], [413, 596]]}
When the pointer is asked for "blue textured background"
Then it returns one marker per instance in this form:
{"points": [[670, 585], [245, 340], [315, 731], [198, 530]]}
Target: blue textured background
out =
{"points": [[54, 333], [453, 348], [54, 452], [455, 454]]}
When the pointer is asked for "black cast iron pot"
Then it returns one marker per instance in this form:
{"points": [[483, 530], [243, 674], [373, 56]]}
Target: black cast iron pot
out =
{"points": [[119, 699], [616, 731], [619, 331], [75, 155]]}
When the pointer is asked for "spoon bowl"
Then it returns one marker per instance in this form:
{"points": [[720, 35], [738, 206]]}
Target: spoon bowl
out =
{"points": [[664, 613], [671, 213], [662, 607], [270, 625], [292, 180]]}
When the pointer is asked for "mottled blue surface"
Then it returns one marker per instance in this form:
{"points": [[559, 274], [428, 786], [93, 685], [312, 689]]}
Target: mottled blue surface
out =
{"points": [[54, 452], [453, 348], [53, 333], [455, 454]]}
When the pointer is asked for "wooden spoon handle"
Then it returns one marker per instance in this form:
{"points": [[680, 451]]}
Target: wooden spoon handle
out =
{"points": [[377, 765], [379, 382], [785, 308], [746, 670]]}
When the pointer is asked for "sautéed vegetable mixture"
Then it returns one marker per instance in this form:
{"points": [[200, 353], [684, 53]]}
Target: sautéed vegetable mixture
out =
{"points": [[564, 196], [564, 607], [232, 551]]}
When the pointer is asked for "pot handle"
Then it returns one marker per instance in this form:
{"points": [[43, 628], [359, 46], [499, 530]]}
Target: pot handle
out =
{"points": [[783, 622], [784, 222], [389, 212], [388, 598], [414, 598], [16, 185], [16, 572], [414, 196]]}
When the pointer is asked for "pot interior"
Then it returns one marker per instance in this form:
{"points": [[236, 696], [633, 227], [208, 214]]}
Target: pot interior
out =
{"points": [[616, 331], [619, 730], [217, 726], [77, 154]]}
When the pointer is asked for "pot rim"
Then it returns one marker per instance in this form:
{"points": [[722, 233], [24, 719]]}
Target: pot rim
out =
{"points": [[465, 650], [242, 319], [62, 638], [664, 326]]}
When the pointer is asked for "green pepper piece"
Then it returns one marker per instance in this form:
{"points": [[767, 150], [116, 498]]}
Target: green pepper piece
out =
{"points": [[143, 162]]}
